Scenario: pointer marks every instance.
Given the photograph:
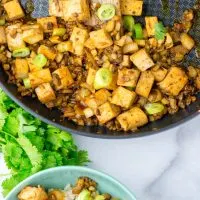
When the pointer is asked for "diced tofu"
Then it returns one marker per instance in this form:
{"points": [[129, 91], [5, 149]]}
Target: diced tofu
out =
{"points": [[39, 77], [88, 112], [91, 76], [62, 78], [101, 39], [102, 96], [187, 41], [14, 38], [21, 68], [50, 53], [32, 67], [74, 10], [128, 77], [131, 7], [78, 38], [48, 23], [14, 10], [169, 41], [159, 74], [197, 82], [142, 60], [32, 33], [45, 93], [2, 35], [91, 103], [145, 84], [89, 44], [113, 84], [174, 82], [132, 119], [55, 8], [140, 43], [150, 25], [106, 112], [123, 97]]}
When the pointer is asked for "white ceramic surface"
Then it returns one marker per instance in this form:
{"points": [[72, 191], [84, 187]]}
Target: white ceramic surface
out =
{"points": [[159, 167]]}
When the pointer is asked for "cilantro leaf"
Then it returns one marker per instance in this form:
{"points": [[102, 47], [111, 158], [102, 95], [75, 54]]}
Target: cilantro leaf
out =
{"points": [[160, 31]]}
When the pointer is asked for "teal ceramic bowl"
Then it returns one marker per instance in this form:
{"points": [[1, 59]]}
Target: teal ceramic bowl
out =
{"points": [[59, 177]]}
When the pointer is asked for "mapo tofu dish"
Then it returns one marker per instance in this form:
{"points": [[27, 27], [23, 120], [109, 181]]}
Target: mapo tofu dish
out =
{"points": [[84, 189], [96, 63]]}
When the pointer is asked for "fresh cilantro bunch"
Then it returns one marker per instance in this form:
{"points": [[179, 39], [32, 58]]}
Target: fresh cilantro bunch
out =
{"points": [[160, 31], [29, 145]]}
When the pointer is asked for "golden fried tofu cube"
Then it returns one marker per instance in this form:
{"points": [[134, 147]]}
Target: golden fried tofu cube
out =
{"points": [[150, 25], [128, 77], [159, 74], [89, 44], [14, 38], [88, 112], [21, 68], [55, 8], [197, 82], [91, 76], [131, 7], [132, 119], [123, 97], [91, 103], [39, 77], [74, 10], [113, 84], [31, 66], [102, 96], [50, 53], [78, 38], [174, 82], [14, 10], [142, 60], [145, 84], [32, 34], [62, 78], [106, 112], [101, 39], [48, 23], [2, 35], [45, 93]]}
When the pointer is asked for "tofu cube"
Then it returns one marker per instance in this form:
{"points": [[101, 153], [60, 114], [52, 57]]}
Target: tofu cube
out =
{"points": [[131, 7], [174, 82], [14, 10], [48, 23], [123, 97], [145, 84], [101, 39], [91, 76], [31, 66], [102, 96], [113, 84], [45, 93], [91, 103], [55, 8], [50, 53], [128, 77], [78, 38], [14, 38], [106, 112], [150, 25], [159, 74], [62, 78], [21, 68], [74, 10], [32, 34], [2, 35], [39, 77], [142, 60], [88, 112], [132, 119]]}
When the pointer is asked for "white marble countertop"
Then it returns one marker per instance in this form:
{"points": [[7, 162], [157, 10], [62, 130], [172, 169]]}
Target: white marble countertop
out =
{"points": [[165, 166]]}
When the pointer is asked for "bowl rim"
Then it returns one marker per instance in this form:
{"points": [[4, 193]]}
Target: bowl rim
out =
{"points": [[95, 135], [76, 168]]}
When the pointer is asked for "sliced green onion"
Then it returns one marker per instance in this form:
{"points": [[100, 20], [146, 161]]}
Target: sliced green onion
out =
{"points": [[106, 12], [99, 197], [130, 88], [138, 31], [154, 108], [103, 78], [40, 60], [59, 31], [2, 22], [23, 52], [27, 83], [84, 195], [129, 23]]}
